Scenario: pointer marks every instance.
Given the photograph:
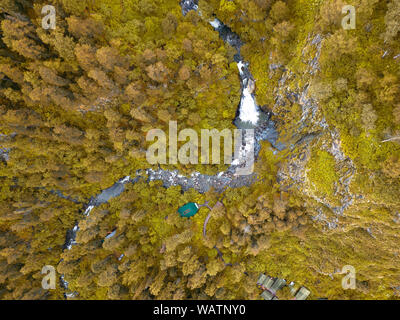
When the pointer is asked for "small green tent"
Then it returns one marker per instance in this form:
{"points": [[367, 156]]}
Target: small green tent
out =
{"points": [[188, 210]]}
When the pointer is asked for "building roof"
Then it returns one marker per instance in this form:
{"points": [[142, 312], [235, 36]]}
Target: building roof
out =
{"points": [[268, 282], [302, 294], [278, 284], [188, 210], [266, 295], [261, 279]]}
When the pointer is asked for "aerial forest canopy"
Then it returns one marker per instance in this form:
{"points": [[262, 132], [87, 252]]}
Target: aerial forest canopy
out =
{"points": [[77, 100]]}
